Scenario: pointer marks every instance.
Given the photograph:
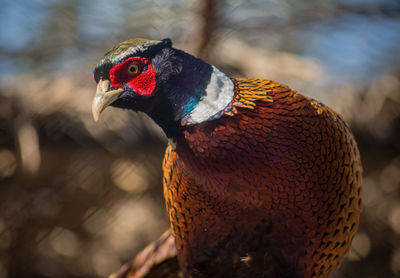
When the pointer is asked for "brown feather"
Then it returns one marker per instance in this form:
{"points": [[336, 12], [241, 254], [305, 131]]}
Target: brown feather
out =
{"points": [[277, 183]]}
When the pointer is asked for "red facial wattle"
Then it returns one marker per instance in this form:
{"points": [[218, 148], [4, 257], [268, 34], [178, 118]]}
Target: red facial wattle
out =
{"points": [[143, 84]]}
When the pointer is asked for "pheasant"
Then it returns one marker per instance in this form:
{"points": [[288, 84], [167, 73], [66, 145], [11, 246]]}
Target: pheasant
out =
{"points": [[259, 180]]}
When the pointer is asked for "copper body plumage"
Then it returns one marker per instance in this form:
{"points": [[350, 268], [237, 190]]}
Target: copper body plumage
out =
{"points": [[273, 191], [259, 180]]}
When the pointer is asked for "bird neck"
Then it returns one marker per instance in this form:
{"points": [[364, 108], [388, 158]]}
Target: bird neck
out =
{"points": [[192, 91], [219, 93]]}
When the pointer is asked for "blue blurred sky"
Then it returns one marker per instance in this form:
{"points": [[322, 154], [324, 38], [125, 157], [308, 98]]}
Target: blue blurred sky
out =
{"points": [[351, 47]]}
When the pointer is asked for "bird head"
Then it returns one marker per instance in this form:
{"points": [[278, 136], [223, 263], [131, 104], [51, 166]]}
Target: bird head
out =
{"points": [[165, 83]]}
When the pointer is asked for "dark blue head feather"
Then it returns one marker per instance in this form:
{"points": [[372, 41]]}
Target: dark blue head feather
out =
{"points": [[181, 83], [184, 79]]}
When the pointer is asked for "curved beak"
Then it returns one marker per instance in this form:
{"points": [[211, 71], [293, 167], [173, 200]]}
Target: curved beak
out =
{"points": [[104, 97]]}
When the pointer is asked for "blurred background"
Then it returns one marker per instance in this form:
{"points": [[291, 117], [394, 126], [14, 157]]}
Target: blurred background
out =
{"points": [[78, 199]]}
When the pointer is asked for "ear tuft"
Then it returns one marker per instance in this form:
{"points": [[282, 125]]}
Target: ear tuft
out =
{"points": [[167, 43], [167, 64]]}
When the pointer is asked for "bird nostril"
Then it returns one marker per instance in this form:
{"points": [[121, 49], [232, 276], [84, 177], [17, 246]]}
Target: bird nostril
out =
{"points": [[105, 85]]}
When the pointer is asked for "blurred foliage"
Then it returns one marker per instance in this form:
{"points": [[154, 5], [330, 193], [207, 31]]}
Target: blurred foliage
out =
{"points": [[78, 199]]}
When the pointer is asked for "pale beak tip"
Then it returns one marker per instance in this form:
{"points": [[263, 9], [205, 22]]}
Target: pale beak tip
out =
{"points": [[104, 97], [96, 117], [96, 109]]}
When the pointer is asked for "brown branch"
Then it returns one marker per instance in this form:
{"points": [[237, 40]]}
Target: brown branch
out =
{"points": [[159, 259]]}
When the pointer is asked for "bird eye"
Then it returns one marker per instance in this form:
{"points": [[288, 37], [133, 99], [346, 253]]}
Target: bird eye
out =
{"points": [[133, 69]]}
